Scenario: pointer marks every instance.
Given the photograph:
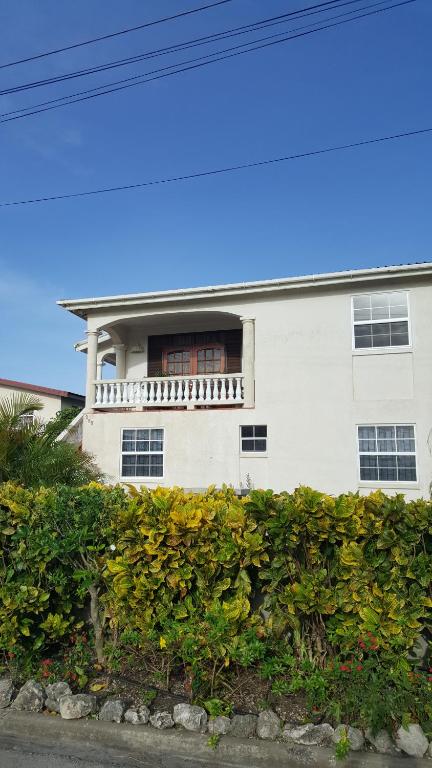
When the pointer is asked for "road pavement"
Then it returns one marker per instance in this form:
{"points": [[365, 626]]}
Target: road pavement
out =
{"points": [[41, 741]]}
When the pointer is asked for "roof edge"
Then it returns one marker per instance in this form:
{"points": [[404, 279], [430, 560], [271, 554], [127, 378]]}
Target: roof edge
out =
{"points": [[35, 388], [79, 306]]}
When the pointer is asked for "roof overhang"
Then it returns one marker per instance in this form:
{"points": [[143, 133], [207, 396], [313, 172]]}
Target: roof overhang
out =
{"points": [[10, 384], [83, 307]]}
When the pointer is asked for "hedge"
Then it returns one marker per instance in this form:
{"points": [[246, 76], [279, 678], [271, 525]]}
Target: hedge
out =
{"points": [[199, 575]]}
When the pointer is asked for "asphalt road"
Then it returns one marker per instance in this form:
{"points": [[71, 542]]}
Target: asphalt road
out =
{"points": [[35, 741], [28, 754], [24, 754]]}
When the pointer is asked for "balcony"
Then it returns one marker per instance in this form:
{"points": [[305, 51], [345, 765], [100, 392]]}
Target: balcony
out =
{"points": [[179, 360], [176, 391]]}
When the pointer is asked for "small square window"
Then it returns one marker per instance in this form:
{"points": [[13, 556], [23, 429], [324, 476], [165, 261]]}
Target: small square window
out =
{"points": [[253, 438]]}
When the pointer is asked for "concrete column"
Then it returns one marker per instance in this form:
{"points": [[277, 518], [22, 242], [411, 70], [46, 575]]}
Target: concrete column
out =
{"points": [[248, 361], [120, 351], [99, 369], [92, 345]]}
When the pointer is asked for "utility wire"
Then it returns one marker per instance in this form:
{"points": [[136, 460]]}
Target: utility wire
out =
{"points": [[115, 34], [218, 171], [196, 63], [235, 31]]}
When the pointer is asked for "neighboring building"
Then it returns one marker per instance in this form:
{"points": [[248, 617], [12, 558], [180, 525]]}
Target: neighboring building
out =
{"points": [[323, 380], [53, 400]]}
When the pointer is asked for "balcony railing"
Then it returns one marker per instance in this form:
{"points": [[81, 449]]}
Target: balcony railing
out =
{"points": [[189, 391]]}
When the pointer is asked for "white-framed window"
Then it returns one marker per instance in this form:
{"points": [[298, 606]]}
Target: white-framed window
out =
{"points": [[387, 453], [253, 439], [380, 320], [26, 419], [142, 453]]}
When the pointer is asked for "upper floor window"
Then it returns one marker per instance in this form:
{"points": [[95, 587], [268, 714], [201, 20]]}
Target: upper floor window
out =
{"points": [[178, 363], [381, 320], [194, 360]]}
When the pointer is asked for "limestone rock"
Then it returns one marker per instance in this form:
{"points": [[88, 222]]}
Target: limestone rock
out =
{"points": [[54, 693], [190, 717], [382, 742], [268, 725], [355, 736], [30, 697], [219, 726], [162, 720], [419, 650], [113, 711], [56, 690], [412, 740], [6, 692], [296, 732], [73, 707], [137, 715], [310, 735], [243, 726], [52, 705]]}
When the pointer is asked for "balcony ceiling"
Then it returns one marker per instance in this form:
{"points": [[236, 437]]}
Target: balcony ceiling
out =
{"points": [[173, 322]]}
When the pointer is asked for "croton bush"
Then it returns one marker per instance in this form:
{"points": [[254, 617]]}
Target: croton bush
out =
{"points": [[292, 581]]}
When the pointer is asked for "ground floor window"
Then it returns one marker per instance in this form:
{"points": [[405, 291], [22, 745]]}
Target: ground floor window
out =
{"points": [[26, 419], [142, 453], [387, 452], [253, 439]]}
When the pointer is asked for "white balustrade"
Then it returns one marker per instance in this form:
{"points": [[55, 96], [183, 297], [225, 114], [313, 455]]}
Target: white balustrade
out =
{"points": [[182, 391]]}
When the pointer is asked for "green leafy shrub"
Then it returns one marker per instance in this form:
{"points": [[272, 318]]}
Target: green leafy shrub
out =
{"points": [[176, 578], [30, 453], [52, 543], [183, 573], [342, 566], [36, 596]]}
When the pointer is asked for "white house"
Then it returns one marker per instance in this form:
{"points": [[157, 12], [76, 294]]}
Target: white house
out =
{"points": [[52, 400], [324, 380]]}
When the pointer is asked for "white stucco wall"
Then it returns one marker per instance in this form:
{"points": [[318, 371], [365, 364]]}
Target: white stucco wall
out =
{"points": [[312, 390], [51, 403]]}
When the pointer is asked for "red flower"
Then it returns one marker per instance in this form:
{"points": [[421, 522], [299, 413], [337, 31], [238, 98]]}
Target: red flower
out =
{"points": [[344, 668], [430, 679], [46, 662], [359, 667]]}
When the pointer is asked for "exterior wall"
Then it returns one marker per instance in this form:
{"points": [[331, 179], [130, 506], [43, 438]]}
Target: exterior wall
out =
{"points": [[311, 390], [51, 403]]}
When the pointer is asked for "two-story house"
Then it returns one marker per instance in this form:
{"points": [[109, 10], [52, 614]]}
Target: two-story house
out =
{"points": [[324, 380]]}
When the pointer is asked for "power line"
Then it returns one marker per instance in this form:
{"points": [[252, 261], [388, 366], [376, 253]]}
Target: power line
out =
{"points": [[207, 39], [196, 63], [115, 34], [218, 171]]}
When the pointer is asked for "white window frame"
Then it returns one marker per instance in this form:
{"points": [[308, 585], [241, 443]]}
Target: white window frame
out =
{"points": [[387, 483], [251, 454], [134, 478], [391, 348], [27, 419]]}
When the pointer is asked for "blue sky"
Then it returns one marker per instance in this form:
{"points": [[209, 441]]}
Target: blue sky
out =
{"points": [[366, 207]]}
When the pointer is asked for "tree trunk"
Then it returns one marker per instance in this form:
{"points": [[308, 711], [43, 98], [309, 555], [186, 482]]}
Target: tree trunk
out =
{"points": [[97, 624]]}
